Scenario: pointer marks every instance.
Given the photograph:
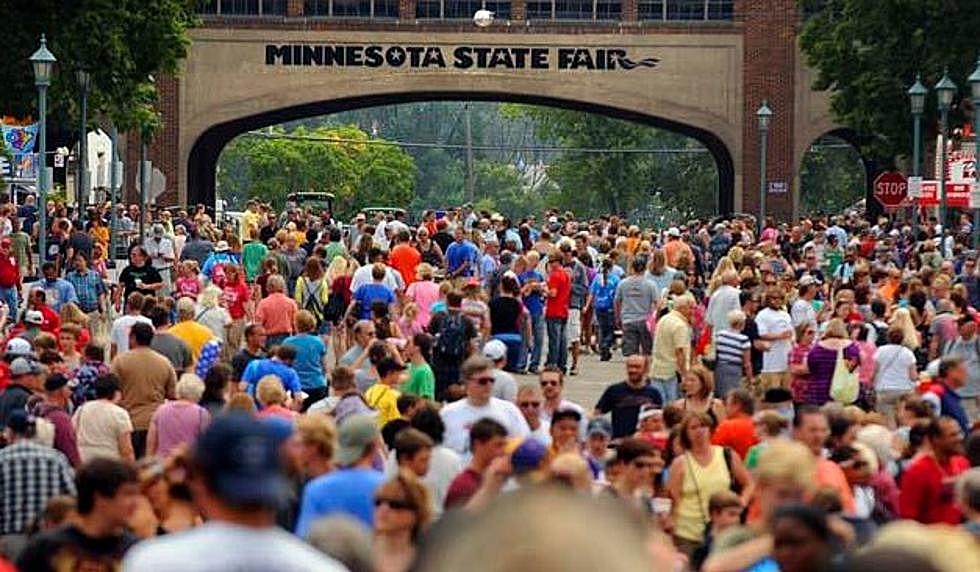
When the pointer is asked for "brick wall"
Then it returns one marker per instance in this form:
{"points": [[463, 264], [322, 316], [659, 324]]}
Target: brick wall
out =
{"points": [[163, 149], [769, 29]]}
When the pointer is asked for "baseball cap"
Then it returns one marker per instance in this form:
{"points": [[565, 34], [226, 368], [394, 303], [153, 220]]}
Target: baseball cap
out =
{"points": [[495, 350], [19, 347], [526, 455], [240, 457], [20, 422], [221, 246], [353, 437], [55, 381], [24, 366], [647, 412], [599, 426], [158, 229], [34, 317], [388, 365], [673, 231], [808, 280]]}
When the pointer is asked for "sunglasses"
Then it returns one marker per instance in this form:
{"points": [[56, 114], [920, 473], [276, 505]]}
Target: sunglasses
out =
{"points": [[394, 504], [484, 380], [549, 383], [643, 464], [534, 404]]}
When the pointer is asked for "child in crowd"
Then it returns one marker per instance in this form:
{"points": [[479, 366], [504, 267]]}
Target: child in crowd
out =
{"points": [[188, 280]]}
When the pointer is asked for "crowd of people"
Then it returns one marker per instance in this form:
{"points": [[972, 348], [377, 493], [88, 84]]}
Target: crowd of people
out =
{"points": [[295, 393]]}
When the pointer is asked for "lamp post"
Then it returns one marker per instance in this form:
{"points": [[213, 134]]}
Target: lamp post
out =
{"points": [[764, 115], [945, 89], [974, 81], [83, 78], [917, 98], [43, 62]]}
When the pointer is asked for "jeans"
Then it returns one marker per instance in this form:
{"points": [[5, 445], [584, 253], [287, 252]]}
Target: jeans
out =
{"points": [[9, 297], [667, 388], [606, 319], [537, 342], [515, 348], [557, 344]]}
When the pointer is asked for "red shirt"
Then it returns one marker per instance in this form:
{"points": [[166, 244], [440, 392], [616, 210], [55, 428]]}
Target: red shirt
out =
{"points": [[404, 258], [557, 305], [927, 493], [235, 296], [737, 433], [463, 487], [52, 321]]}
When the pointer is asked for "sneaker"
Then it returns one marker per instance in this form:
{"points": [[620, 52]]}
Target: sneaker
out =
{"points": [[573, 371]]}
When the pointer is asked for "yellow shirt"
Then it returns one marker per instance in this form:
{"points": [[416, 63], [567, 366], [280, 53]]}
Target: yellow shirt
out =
{"points": [[250, 225], [384, 399], [699, 484], [672, 332], [194, 335]]}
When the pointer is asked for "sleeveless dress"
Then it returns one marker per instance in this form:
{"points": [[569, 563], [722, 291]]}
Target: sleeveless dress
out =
{"points": [[699, 484]]}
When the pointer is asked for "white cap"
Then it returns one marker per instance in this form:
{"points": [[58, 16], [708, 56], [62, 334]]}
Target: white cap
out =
{"points": [[673, 231], [495, 350], [19, 347]]}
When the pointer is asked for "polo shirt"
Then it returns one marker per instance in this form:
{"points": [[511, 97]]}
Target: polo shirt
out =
{"points": [[457, 254], [260, 368], [672, 332], [347, 492]]}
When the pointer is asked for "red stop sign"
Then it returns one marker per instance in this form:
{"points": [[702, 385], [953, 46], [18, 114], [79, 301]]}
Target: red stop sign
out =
{"points": [[891, 189]]}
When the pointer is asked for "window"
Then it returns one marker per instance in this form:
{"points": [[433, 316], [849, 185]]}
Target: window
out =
{"points": [[384, 9], [721, 9], [651, 9], [460, 9], [686, 10], [608, 10], [243, 7], [583, 10], [573, 9], [538, 10], [316, 7]]}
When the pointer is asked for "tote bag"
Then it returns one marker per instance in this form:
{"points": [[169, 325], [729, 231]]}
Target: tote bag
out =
{"points": [[844, 385]]}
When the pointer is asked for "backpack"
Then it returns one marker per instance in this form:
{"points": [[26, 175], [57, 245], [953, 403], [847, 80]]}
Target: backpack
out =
{"points": [[451, 342], [313, 303]]}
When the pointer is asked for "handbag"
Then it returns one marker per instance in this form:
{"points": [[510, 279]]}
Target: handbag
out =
{"points": [[844, 384]]}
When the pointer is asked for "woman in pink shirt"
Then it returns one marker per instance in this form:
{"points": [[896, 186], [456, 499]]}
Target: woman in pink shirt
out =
{"points": [[424, 292], [178, 422], [276, 311]]}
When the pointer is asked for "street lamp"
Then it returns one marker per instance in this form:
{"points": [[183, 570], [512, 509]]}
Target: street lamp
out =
{"points": [[764, 115], [43, 62], [83, 78], [946, 89], [917, 98], [974, 81]]}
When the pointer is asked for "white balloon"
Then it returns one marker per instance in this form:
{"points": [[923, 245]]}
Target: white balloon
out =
{"points": [[483, 18]]}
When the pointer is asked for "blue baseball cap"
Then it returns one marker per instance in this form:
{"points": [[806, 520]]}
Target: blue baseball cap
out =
{"points": [[240, 457]]}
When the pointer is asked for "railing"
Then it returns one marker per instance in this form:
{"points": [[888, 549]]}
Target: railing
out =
{"points": [[536, 10]]}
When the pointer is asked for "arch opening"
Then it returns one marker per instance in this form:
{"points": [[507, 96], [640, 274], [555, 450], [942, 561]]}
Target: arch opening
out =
{"points": [[834, 175], [205, 153]]}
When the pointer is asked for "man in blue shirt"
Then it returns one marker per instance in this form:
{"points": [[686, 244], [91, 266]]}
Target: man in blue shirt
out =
{"points": [[461, 256], [89, 287], [279, 365], [532, 288], [57, 290], [350, 489], [367, 294]]}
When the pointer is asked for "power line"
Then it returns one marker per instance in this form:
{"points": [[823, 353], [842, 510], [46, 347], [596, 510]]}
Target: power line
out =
{"points": [[532, 149]]}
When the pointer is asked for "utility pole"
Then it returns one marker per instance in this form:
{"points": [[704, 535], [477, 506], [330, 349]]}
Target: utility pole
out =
{"points": [[470, 180]]}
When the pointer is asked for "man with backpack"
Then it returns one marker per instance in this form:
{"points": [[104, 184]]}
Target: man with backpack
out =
{"points": [[454, 343]]}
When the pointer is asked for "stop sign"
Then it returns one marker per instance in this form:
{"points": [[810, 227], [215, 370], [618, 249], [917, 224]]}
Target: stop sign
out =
{"points": [[891, 189]]}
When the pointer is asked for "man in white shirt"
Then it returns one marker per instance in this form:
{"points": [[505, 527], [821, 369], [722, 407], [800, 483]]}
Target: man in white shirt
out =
{"points": [[160, 249], [119, 335], [459, 416], [393, 278], [552, 381], [802, 311], [776, 330], [504, 384]]}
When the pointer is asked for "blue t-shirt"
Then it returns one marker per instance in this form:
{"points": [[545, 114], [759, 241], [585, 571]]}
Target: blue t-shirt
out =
{"points": [[309, 359], [367, 294], [458, 253], [603, 295], [346, 491], [260, 368], [533, 302]]}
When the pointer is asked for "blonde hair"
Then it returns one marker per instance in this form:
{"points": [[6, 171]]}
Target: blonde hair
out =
{"points": [[319, 431], [209, 297], [835, 329], [304, 321], [786, 462], [902, 319], [190, 387], [338, 267], [270, 391], [424, 271], [70, 312], [410, 311]]}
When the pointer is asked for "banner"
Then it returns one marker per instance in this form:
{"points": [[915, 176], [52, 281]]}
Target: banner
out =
{"points": [[19, 139], [961, 166], [957, 194]]}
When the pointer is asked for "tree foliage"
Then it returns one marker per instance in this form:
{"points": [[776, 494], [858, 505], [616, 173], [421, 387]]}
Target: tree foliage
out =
{"points": [[869, 51], [359, 173], [620, 181], [122, 43], [831, 177]]}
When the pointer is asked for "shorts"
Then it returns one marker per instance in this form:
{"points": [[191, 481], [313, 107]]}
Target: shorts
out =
{"points": [[771, 380], [573, 331]]}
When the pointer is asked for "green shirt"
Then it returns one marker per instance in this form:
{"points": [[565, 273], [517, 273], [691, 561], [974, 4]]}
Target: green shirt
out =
{"points": [[19, 244], [252, 256], [334, 249], [833, 257], [421, 381]]}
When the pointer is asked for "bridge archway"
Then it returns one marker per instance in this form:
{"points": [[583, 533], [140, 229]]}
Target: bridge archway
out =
{"points": [[206, 150]]}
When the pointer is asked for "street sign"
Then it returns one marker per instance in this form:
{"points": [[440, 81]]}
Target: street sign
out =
{"points": [[891, 189], [6, 169], [915, 188]]}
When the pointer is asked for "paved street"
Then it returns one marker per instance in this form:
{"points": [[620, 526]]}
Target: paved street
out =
{"points": [[586, 387]]}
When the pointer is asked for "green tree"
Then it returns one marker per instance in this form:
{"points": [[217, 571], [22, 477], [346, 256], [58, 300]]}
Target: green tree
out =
{"points": [[867, 52], [831, 177], [342, 160], [121, 42]]}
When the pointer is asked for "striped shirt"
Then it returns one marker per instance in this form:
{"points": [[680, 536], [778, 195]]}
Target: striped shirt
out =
{"points": [[88, 288], [30, 475], [730, 345]]}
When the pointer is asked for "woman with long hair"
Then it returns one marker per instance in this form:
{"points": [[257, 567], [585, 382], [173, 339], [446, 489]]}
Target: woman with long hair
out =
{"points": [[312, 293], [339, 275], [217, 388], [902, 319], [698, 386], [212, 315], [402, 511], [658, 272], [236, 299], [821, 361], [428, 248]]}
